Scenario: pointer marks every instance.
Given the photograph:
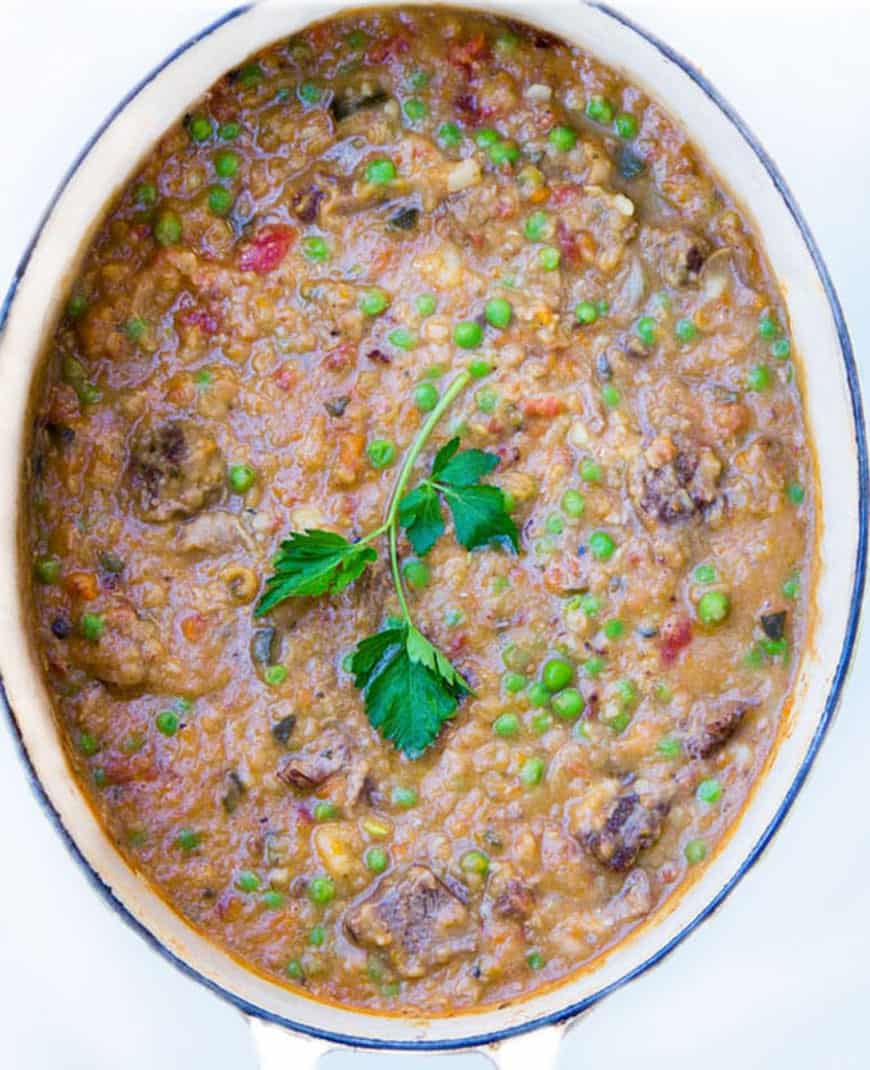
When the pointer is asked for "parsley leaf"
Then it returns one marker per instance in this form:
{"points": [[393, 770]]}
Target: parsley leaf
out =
{"points": [[410, 687], [479, 512], [313, 563]]}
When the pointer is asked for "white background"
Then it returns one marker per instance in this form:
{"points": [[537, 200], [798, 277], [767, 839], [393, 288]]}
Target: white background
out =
{"points": [[779, 977]]}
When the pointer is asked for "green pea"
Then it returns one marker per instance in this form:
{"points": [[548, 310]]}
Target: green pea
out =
{"points": [[610, 395], [402, 338], [199, 128], [92, 626], [294, 970], [557, 673], [317, 936], [599, 110], [792, 586], [321, 890], [586, 312], [542, 722], [167, 228], [513, 682], [685, 330], [146, 194], [373, 302], [272, 900], [590, 604], [241, 477], [416, 573], [601, 545], [538, 694], [549, 258], [135, 328], [767, 326], [626, 125], [376, 859], [498, 312], [167, 722], [356, 40], [646, 328], [668, 747], [76, 307], [713, 607], [247, 881], [507, 725], [487, 400], [449, 135], [573, 503], [468, 334], [426, 304], [310, 93], [695, 851], [709, 791], [758, 378], [419, 79], [229, 131], [475, 863], [593, 666], [226, 163], [415, 109], [535, 960], [47, 569], [220, 200], [590, 471], [568, 704], [325, 811], [796, 493], [486, 138], [662, 692], [249, 75], [426, 396], [315, 249], [188, 840], [614, 629], [504, 152], [532, 771], [619, 721], [479, 369], [562, 138], [381, 452], [538, 226], [275, 675], [380, 172], [781, 349], [404, 798], [705, 574], [88, 744]]}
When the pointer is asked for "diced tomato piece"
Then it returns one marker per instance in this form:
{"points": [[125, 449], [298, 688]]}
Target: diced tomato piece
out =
{"points": [[676, 634], [546, 406], [389, 48], [82, 585], [286, 377], [194, 627], [470, 53], [267, 248]]}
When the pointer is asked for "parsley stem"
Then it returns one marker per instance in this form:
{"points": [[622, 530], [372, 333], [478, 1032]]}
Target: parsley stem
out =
{"points": [[456, 387]]}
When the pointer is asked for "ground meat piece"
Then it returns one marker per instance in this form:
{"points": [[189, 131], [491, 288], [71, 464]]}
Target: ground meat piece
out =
{"points": [[516, 901], [678, 488], [128, 654], [415, 920], [712, 722], [618, 828], [680, 253], [316, 763], [175, 469], [213, 533]]}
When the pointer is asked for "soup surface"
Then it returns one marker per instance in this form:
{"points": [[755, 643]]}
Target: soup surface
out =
{"points": [[402, 239]]}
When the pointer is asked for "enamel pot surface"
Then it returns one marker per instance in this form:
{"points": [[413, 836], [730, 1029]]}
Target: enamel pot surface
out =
{"points": [[833, 408]]}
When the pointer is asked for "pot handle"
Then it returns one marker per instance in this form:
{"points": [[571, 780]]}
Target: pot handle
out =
{"points": [[279, 1049]]}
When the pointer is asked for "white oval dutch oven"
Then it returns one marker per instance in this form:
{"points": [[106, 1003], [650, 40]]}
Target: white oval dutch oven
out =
{"points": [[291, 1029]]}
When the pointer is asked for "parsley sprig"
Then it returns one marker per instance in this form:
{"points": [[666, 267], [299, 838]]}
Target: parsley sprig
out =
{"points": [[410, 687]]}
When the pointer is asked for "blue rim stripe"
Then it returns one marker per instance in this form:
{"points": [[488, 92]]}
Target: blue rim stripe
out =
{"points": [[570, 1011]]}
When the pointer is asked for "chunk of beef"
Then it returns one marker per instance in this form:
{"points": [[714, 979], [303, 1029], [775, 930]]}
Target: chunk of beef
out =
{"points": [[675, 485], [175, 469], [128, 654], [517, 900], [313, 765], [712, 722], [415, 919], [679, 254], [618, 827]]}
